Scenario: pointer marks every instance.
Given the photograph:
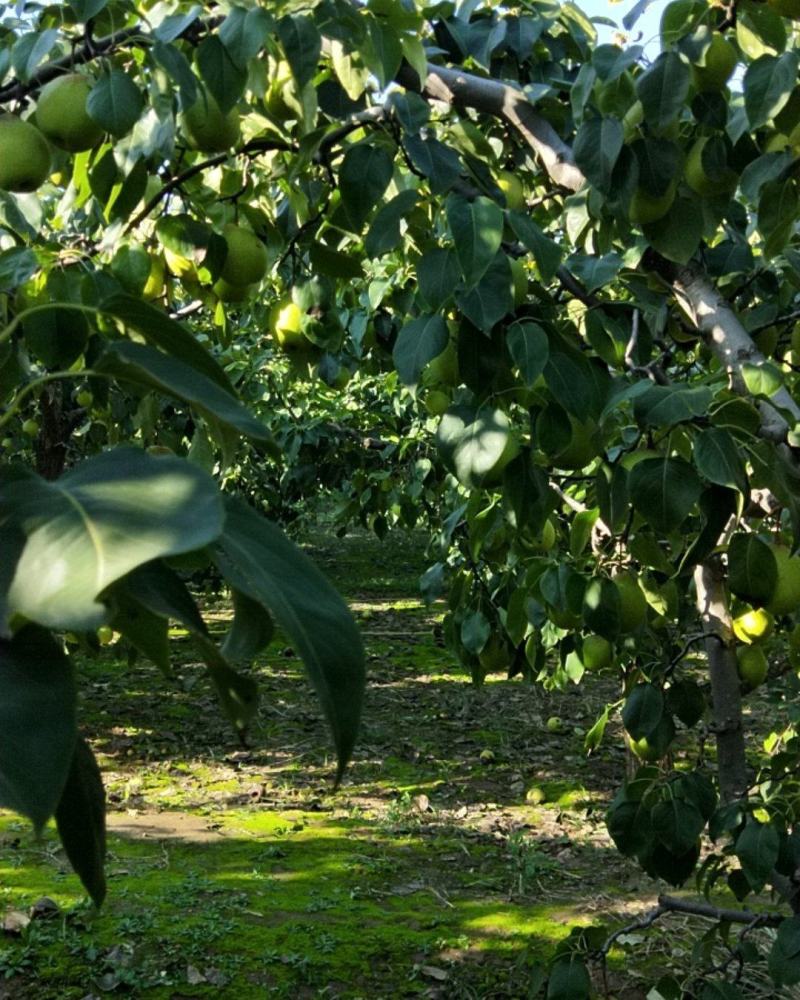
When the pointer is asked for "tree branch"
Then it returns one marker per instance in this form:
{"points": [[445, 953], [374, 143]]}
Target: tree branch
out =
{"points": [[455, 87]]}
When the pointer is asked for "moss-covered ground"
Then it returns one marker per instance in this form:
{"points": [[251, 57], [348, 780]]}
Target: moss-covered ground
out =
{"points": [[235, 872]]}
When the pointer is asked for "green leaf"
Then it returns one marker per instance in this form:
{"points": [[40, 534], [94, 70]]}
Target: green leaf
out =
{"points": [[257, 559], [102, 518], [175, 25], [611, 487], [752, 569], [659, 162], [436, 161], [419, 342], [302, 44], [667, 405], [477, 230], [784, 958], [529, 347], [644, 708], [678, 824], [384, 231], [165, 333], [223, 77], [56, 337], [546, 252], [664, 490], [717, 458], [768, 82], [473, 443], [84, 9], [37, 723], [160, 590], [437, 275], [171, 59], [115, 103], [16, 266], [663, 90], [596, 149], [363, 177], [757, 848], [602, 607], [475, 632], [145, 366], [526, 490], [382, 51], [252, 629], [147, 631], [487, 302], [243, 33], [81, 820], [677, 235], [761, 379], [568, 980]]}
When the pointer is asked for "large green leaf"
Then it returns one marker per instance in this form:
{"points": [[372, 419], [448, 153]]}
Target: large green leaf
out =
{"points": [[663, 89], [165, 333], [757, 848], [115, 102], [529, 347], [301, 42], [664, 490], [419, 342], [667, 405], [717, 458], [569, 979], [752, 569], [257, 559], [477, 229], [784, 958], [768, 83], [491, 298], [224, 78], [677, 234], [597, 148], [384, 232], [37, 723], [151, 368], [97, 522], [643, 711], [81, 820], [476, 444], [363, 177]]}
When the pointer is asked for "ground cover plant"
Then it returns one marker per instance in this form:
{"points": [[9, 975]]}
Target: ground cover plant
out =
{"points": [[465, 269]]}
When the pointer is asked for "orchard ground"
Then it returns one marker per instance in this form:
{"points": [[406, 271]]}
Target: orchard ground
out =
{"points": [[434, 871]]}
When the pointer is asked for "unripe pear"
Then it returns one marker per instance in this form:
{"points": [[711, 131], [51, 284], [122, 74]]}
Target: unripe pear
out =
{"points": [[24, 155], [62, 116]]}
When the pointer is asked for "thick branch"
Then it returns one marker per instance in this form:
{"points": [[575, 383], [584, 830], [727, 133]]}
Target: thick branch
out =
{"points": [[731, 343], [455, 87]]}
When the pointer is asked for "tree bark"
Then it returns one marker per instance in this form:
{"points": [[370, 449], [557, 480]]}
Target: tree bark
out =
{"points": [[725, 686]]}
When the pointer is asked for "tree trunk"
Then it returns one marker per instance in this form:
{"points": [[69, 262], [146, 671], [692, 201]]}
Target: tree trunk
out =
{"points": [[725, 685]]}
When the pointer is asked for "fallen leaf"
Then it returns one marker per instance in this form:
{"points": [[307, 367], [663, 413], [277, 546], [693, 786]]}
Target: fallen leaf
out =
{"points": [[433, 973]]}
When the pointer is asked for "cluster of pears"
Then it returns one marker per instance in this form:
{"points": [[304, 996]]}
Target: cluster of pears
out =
{"points": [[701, 172], [753, 626], [61, 118]]}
